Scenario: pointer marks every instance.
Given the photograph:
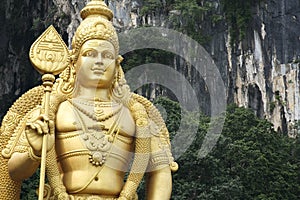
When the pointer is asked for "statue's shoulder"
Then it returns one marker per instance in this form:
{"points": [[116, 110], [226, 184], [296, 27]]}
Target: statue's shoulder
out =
{"points": [[157, 124], [20, 108], [11, 127], [153, 113]]}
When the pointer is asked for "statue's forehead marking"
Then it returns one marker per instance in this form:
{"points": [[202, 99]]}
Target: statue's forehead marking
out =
{"points": [[102, 43], [98, 43]]}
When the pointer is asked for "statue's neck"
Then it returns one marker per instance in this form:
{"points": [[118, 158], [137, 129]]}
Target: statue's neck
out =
{"points": [[100, 94]]}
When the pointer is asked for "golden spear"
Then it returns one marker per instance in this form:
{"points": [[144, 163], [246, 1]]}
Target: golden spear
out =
{"points": [[50, 56]]}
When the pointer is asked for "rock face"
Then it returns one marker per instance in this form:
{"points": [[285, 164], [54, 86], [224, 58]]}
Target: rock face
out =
{"points": [[16, 35], [267, 66], [260, 72]]}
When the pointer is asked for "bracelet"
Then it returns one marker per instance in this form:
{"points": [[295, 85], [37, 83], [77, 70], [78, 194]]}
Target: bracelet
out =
{"points": [[32, 156], [126, 195], [129, 191]]}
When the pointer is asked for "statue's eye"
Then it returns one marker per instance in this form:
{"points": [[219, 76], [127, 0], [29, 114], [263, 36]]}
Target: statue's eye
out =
{"points": [[89, 53], [108, 55]]}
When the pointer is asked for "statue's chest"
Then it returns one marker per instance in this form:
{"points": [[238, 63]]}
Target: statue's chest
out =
{"points": [[106, 118], [84, 133]]}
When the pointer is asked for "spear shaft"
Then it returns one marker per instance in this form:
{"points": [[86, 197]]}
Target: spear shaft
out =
{"points": [[48, 80]]}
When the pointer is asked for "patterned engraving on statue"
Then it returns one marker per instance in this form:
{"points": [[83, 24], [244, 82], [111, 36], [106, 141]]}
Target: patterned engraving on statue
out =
{"points": [[16, 139], [99, 145], [49, 52]]}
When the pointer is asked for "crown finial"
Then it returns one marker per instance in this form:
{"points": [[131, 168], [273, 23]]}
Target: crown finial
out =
{"points": [[98, 8]]}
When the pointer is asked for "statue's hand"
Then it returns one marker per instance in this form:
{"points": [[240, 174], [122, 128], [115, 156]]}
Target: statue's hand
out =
{"points": [[36, 129]]}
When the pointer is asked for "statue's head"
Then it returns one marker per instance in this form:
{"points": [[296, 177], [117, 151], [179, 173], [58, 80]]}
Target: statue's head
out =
{"points": [[96, 31]]}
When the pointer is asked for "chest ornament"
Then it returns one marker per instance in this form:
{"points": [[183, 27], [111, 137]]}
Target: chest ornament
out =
{"points": [[99, 145], [99, 140]]}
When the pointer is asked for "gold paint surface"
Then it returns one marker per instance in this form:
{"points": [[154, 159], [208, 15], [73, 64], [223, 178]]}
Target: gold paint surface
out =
{"points": [[98, 131], [49, 53]]}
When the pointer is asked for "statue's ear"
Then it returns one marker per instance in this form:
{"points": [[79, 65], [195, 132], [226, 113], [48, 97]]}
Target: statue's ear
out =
{"points": [[49, 53], [119, 59]]}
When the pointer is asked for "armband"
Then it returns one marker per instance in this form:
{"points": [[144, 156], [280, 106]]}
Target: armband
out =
{"points": [[32, 156]]}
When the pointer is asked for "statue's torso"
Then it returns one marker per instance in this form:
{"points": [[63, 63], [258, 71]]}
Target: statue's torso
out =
{"points": [[91, 159]]}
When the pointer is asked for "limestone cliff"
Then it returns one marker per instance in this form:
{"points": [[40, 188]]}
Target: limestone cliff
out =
{"points": [[260, 67]]}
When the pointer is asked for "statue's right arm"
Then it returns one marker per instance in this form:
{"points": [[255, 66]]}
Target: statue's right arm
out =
{"points": [[22, 165]]}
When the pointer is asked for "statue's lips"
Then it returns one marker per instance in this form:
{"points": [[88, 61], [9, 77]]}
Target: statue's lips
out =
{"points": [[98, 70]]}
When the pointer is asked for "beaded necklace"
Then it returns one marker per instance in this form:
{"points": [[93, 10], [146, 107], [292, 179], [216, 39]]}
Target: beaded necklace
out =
{"points": [[98, 113], [99, 143]]}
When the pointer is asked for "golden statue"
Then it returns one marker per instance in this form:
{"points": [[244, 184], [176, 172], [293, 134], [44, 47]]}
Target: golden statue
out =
{"points": [[85, 129]]}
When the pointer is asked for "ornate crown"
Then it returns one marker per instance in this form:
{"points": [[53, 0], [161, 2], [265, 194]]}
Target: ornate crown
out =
{"points": [[96, 24]]}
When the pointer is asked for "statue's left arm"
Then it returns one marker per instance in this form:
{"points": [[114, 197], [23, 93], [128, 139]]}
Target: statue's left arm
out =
{"points": [[161, 162], [159, 177], [159, 184], [152, 153]]}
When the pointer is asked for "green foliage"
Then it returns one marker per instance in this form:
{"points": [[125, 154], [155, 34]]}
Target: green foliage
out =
{"points": [[140, 57], [42, 22], [250, 161], [216, 18], [278, 101], [272, 106], [173, 112], [238, 15], [30, 186], [37, 24], [147, 55], [184, 16], [296, 128], [188, 17], [150, 6], [144, 56]]}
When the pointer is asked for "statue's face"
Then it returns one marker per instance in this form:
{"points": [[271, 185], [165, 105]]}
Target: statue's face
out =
{"points": [[96, 64]]}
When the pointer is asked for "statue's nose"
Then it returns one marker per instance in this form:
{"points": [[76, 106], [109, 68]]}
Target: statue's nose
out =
{"points": [[99, 60]]}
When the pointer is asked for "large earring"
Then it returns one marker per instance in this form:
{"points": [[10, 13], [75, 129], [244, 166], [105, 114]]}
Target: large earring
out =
{"points": [[66, 80], [120, 90], [116, 90], [119, 60]]}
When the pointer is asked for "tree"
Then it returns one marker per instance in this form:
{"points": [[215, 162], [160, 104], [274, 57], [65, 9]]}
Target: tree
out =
{"points": [[250, 161]]}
